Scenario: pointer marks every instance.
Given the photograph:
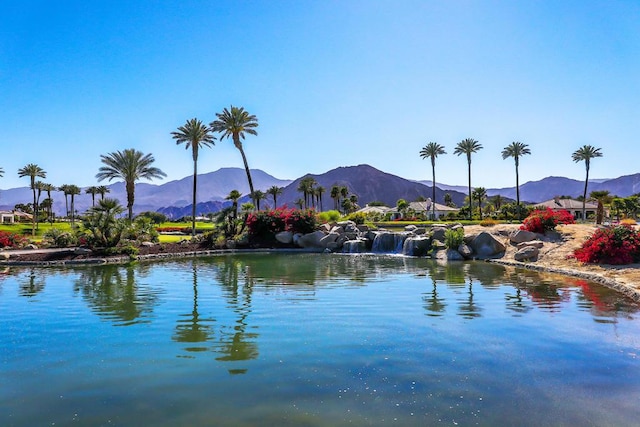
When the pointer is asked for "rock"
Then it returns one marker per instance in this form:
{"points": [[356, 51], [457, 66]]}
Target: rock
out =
{"points": [[324, 227], [231, 244], [519, 236], [82, 251], [354, 246], [466, 251], [410, 227], [535, 243], [4, 255], [416, 246], [31, 246], [329, 238], [456, 227], [285, 237], [484, 245], [363, 228], [437, 233], [147, 244], [296, 238], [528, 253], [337, 229], [311, 240], [419, 231], [333, 247], [449, 255]]}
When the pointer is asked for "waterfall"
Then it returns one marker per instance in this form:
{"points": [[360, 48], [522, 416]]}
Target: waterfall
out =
{"points": [[388, 242]]}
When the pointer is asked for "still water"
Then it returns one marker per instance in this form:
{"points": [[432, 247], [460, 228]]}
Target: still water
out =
{"points": [[314, 340]]}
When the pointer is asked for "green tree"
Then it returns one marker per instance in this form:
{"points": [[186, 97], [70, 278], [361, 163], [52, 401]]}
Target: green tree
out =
{"points": [[256, 196], [305, 186], [319, 191], [516, 150], [585, 153], [299, 203], [74, 190], [274, 191], [617, 204], [33, 171], [39, 189], [49, 188], [129, 165], [431, 151], [234, 123], [448, 200], [93, 190], [102, 190], [603, 197], [468, 146], [102, 225], [335, 195], [194, 134], [480, 194]]}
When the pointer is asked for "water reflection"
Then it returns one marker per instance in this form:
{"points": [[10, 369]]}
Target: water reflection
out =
{"points": [[191, 328], [32, 283]]}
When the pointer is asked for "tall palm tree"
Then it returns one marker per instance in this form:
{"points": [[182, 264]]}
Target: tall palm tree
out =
{"points": [[93, 190], [102, 190], [73, 190], [516, 150], [585, 153], [49, 188], [274, 191], [306, 188], [234, 123], [432, 150], [129, 165], [194, 134], [1, 172], [480, 193], [335, 195], [33, 171], [468, 146], [65, 189], [344, 192], [256, 196], [320, 190]]}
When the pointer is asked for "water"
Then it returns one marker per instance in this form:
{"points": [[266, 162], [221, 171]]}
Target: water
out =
{"points": [[314, 340]]}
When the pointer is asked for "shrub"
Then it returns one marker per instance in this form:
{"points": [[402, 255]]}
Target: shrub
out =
{"points": [[542, 220], [59, 239], [453, 238], [265, 224], [628, 221], [617, 245], [358, 218], [328, 216], [11, 240], [488, 222], [141, 230]]}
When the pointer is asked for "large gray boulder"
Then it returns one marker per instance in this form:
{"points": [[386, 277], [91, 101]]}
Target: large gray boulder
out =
{"points": [[528, 253], [519, 236], [437, 233], [329, 238], [449, 255], [535, 243], [285, 237], [466, 251], [416, 246], [354, 246], [311, 240], [484, 245]]}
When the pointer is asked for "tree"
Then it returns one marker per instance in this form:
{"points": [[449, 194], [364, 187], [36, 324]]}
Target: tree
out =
{"points": [[129, 165], [65, 189], [49, 188], [335, 195], [33, 171], [39, 188], [234, 123], [305, 186], [602, 197], [448, 200], [432, 150], [585, 153], [93, 190], [274, 191], [256, 196], [299, 203], [516, 150], [468, 146], [618, 205], [1, 172], [320, 190], [480, 193], [102, 225], [234, 196], [102, 190], [73, 190], [194, 134]]}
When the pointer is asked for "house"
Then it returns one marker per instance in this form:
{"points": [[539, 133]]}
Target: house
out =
{"points": [[574, 207], [7, 217]]}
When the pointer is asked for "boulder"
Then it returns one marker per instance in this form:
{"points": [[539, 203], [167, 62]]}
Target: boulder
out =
{"points": [[535, 243], [410, 227], [337, 229], [466, 251], [31, 246], [325, 227], [437, 233], [311, 240], [484, 245], [363, 228], [285, 237], [147, 244], [528, 253], [416, 246], [354, 246], [4, 255], [449, 255], [329, 238], [519, 236], [296, 238], [82, 251]]}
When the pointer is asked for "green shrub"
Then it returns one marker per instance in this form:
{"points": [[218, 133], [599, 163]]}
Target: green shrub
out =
{"points": [[453, 237], [58, 238], [328, 216]]}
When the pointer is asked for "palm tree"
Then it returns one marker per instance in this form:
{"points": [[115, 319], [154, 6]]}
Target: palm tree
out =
{"points": [[468, 146], [93, 190], [274, 191], [299, 202], [319, 192], [585, 153], [65, 189], [73, 190], [602, 197], [234, 196], [39, 188], [432, 150], [234, 123], [32, 171], [102, 190], [1, 172], [479, 193], [335, 195], [194, 134], [129, 165], [306, 188], [516, 150], [256, 196], [49, 188]]}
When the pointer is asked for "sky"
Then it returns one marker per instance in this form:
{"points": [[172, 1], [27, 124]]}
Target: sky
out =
{"points": [[332, 83]]}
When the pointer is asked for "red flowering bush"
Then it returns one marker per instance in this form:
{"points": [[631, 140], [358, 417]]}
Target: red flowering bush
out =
{"points": [[264, 225], [11, 240], [541, 220], [618, 245]]}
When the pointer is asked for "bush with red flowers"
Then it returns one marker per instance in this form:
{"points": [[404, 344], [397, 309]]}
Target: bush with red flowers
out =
{"points": [[11, 240], [617, 245], [264, 225], [541, 220]]}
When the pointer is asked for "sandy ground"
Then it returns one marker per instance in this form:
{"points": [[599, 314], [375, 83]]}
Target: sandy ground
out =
{"points": [[555, 257]]}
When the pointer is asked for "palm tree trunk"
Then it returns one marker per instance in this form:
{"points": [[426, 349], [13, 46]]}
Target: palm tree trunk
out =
{"points": [[518, 194], [433, 189], [193, 207], [584, 195], [470, 198], [33, 218], [130, 198], [238, 144], [72, 212]]}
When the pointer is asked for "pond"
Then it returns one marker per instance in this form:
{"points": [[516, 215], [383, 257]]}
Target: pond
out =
{"points": [[314, 340]]}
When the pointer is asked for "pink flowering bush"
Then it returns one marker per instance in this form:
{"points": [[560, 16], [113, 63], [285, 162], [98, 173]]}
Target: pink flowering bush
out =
{"points": [[541, 220], [11, 240], [264, 225], [617, 245]]}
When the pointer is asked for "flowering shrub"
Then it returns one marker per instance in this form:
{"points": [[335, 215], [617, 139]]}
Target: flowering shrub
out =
{"points": [[617, 245], [628, 221], [185, 230], [265, 224], [11, 240], [541, 220]]}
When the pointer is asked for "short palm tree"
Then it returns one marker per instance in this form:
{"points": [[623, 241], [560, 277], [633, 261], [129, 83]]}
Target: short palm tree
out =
{"points": [[480, 193], [274, 191], [603, 197], [49, 188], [65, 190], [432, 150], [194, 134], [102, 190], [256, 196], [129, 165], [93, 190], [33, 171], [335, 195], [585, 153], [468, 146], [320, 190], [234, 123], [73, 190], [39, 189], [516, 150]]}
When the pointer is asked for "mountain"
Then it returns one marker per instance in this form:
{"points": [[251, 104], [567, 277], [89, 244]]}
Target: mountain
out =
{"points": [[459, 188], [369, 184]]}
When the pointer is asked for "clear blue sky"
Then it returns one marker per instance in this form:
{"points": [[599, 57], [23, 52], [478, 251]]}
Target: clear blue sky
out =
{"points": [[333, 83]]}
